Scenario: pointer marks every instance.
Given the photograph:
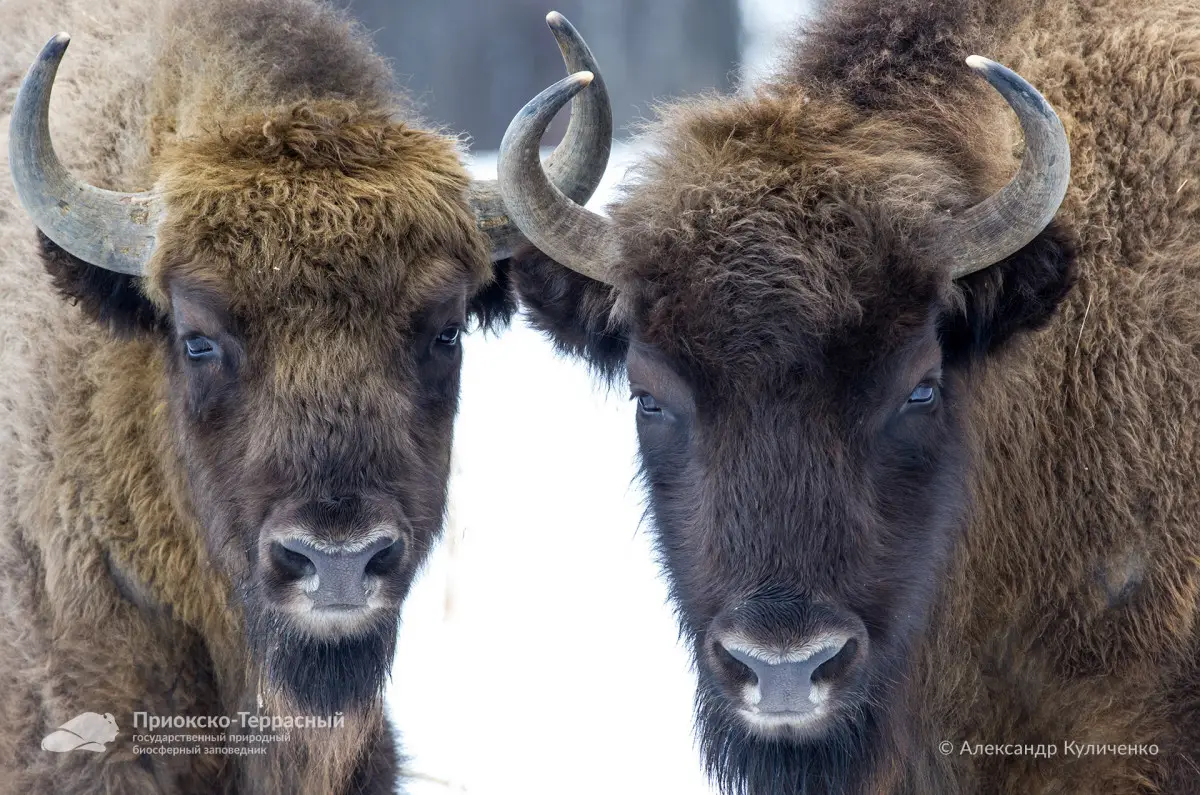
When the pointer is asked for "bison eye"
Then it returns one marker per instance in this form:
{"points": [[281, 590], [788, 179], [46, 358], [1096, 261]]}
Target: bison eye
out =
{"points": [[923, 395], [200, 349], [648, 405], [449, 336]]}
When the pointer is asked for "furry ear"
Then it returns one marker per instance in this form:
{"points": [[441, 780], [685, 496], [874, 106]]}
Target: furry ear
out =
{"points": [[573, 310], [493, 307], [1020, 293], [113, 300]]}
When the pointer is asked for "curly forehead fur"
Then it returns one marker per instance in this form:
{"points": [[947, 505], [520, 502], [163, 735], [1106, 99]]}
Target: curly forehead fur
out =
{"points": [[316, 199], [308, 177], [798, 218]]}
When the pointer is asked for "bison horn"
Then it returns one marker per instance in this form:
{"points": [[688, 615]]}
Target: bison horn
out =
{"points": [[111, 230], [577, 238], [980, 236], [577, 164], [1004, 222]]}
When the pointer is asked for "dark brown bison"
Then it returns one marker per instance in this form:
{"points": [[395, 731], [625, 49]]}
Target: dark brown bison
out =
{"points": [[227, 401], [924, 466]]}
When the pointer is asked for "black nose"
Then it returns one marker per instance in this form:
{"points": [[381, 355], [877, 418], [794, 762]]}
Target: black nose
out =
{"points": [[799, 681], [335, 575]]}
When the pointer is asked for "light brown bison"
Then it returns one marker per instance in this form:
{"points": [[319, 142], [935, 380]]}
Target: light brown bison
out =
{"points": [[924, 466], [227, 401]]}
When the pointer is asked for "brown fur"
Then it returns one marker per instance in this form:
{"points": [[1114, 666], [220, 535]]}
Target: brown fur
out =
{"points": [[774, 268], [323, 236]]}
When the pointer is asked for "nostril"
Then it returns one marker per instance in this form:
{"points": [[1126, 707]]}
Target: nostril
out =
{"points": [[733, 667], [838, 666], [792, 679], [291, 564], [335, 574], [385, 560]]}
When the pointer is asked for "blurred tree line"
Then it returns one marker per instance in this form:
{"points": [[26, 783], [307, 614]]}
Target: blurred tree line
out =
{"points": [[471, 64]]}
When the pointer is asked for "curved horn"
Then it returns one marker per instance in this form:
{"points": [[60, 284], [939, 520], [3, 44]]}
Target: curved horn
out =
{"points": [[577, 163], [1004, 222], [111, 230], [575, 237]]}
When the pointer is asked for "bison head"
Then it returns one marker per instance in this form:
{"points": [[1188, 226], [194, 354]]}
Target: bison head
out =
{"points": [[296, 285], [797, 289]]}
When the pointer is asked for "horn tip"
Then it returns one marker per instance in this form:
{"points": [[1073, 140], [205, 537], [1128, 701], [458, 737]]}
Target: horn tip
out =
{"points": [[979, 63], [54, 49], [583, 78], [555, 19]]}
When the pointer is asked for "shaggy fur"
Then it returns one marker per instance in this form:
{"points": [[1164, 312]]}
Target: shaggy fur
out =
{"points": [[1025, 552], [321, 239]]}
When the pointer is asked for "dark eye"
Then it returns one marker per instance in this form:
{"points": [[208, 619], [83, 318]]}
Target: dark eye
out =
{"points": [[450, 336], [923, 395], [200, 348], [648, 405]]}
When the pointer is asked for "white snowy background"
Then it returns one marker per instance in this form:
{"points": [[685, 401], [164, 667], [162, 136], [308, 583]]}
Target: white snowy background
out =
{"points": [[538, 654]]}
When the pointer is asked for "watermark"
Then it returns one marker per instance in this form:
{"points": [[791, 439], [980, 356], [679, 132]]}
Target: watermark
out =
{"points": [[1072, 748], [90, 731], [242, 720], [240, 734]]}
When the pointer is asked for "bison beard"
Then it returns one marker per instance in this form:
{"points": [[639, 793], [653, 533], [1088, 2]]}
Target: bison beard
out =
{"points": [[743, 764], [321, 676]]}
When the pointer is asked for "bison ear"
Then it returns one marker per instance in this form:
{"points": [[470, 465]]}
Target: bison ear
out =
{"points": [[111, 299], [493, 307], [575, 312], [1020, 293]]}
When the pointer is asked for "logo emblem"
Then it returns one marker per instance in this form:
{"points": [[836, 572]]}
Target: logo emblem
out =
{"points": [[86, 732]]}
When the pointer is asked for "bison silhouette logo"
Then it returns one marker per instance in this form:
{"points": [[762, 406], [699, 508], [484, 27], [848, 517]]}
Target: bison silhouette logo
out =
{"points": [[86, 732]]}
